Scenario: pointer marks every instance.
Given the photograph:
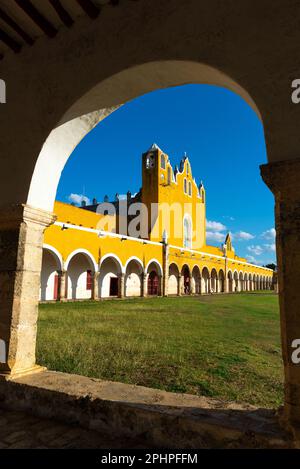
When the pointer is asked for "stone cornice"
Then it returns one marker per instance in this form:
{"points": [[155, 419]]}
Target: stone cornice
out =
{"points": [[12, 215], [282, 177]]}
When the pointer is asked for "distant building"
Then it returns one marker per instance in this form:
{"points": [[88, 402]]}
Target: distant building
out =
{"points": [[90, 252]]}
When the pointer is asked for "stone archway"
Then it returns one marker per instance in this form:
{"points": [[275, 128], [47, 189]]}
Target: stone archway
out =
{"points": [[230, 282], [186, 280], [196, 280], [235, 282], [214, 282], [154, 278], [241, 282], [221, 277], [134, 278], [205, 280], [173, 280], [50, 275], [117, 73], [110, 277], [80, 273]]}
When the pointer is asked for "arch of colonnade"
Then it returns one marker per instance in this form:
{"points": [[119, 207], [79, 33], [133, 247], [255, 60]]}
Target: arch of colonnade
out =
{"points": [[80, 278]]}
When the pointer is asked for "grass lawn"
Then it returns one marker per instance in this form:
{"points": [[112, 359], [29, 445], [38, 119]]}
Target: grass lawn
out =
{"points": [[225, 346]]}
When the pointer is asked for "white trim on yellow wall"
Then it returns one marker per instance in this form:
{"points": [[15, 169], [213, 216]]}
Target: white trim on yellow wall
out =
{"points": [[55, 252], [145, 241]]}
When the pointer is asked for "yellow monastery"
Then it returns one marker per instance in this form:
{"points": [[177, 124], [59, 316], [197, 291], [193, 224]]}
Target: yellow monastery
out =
{"points": [[149, 243]]}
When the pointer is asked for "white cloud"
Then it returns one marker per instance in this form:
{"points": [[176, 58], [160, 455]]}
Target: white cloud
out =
{"points": [[227, 217], [253, 260], [256, 249], [215, 236], [215, 226], [243, 235], [78, 198], [269, 234], [270, 247]]}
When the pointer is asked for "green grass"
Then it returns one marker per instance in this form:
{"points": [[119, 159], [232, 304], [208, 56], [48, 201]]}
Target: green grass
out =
{"points": [[225, 346]]}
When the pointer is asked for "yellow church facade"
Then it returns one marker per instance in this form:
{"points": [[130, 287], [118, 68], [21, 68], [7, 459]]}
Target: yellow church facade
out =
{"points": [[151, 243]]}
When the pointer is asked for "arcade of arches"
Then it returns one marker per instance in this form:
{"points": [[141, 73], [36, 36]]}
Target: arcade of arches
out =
{"points": [[80, 278], [59, 87]]}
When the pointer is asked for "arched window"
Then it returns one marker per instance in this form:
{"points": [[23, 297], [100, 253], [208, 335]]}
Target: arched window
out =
{"points": [[163, 161], [185, 186], [187, 168], [169, 175], [190, 188], [187, 232]]}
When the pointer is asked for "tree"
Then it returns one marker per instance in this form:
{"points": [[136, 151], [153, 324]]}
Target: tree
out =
{"points": [[271, 266]]}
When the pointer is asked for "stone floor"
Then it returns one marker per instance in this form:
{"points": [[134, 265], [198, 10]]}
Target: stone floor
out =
{"points": [[19, 430]]}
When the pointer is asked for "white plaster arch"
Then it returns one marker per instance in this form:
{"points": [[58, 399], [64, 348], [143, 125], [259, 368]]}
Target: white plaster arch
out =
{"points": [[174, 264], [115, 257], [204, 267], [154, 261], [99, 98], [86, 253], [56, 253], [186, 266], [134, 258], [196, 266], [58, 147]]}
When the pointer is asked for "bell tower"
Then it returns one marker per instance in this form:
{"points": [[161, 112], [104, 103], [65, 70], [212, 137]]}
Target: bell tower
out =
{"points": [[150, 181]]}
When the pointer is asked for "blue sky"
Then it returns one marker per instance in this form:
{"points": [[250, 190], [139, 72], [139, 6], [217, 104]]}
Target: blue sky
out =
{"points": [[221, 135]]}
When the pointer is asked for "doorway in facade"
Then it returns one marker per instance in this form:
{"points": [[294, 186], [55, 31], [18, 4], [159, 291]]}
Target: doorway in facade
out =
{"points": [[113, 287], [153, 283]]}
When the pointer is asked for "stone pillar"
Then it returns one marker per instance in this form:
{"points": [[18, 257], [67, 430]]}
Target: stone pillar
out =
{"points": [[95, 288], [21, 240], [144, 284], [226, 282], [160, 285], [121, 278], [208, 284], [63, 285], [283, 179], [180, 284], [192, 286], [165, 269]]}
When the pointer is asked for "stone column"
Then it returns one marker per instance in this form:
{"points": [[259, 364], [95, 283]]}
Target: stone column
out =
{"points": [[192, 286], [283, 178], [208, 284], [180, 284], [63, 294], [144, 284], [121, 278], [165, 269], [160, 285], [95, 287], [21, 241]]}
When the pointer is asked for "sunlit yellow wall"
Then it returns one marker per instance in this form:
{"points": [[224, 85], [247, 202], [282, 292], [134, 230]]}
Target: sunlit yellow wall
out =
{"points": [[162, 187], [69, 240]]}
